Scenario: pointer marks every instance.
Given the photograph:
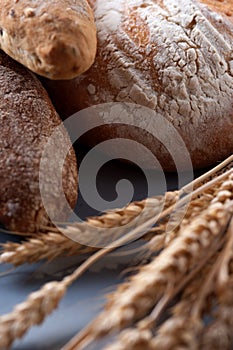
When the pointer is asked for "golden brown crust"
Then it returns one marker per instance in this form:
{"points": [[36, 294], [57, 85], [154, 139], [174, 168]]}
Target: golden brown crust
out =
{"points": [[27, 119], [173, 56], [224, 7], [56, 39]]}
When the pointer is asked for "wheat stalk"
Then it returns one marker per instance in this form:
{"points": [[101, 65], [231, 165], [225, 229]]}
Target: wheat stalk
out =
{"points": [[20, 319], [134, 299], [195, 208], [31, 312], [174, 332], [41, 303], [179, 331], [183, 328], [51, 245], [45, 246]]}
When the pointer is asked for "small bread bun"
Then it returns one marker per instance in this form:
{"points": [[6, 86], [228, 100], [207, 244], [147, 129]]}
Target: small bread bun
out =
{"points": [[56, 39], [172, 56]]}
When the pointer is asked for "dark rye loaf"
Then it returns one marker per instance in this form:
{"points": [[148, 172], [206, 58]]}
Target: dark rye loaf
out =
{"points": [[27, 119]]}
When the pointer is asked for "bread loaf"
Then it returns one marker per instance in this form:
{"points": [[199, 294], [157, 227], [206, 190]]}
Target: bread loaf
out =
{"points": [[173, 56], [27, 119], [56, 39]]}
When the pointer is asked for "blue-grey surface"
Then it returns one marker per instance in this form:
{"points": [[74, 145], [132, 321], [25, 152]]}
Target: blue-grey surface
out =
{"points": [[80, 304]]}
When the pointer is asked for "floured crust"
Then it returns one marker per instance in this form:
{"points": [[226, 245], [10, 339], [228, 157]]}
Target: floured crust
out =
{"points": [[56, 39], [27, 119], [173, 56]]}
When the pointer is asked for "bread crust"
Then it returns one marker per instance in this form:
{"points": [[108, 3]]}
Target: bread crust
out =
{"points": [[56, 39], [223, 7], [173, 56], [27, 119]]}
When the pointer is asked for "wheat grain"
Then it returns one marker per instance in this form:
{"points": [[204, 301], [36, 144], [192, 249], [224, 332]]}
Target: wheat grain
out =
{"points": [[134, 299], [176, 333], [51, 245], [180, 330], [195, 208], [186, 325], [31, 312], [45, 246], [218, 335], [133, 339], [22, 322], [145, 218]]}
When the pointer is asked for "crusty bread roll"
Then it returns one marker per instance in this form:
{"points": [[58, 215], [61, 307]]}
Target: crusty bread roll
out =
{"points": [[56, 39], [27, 119], [173, 56]]}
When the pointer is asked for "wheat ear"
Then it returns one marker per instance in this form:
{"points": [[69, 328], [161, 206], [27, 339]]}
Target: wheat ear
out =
{"points": [[184, 327], [134, 299], [45, 246], [174, 332], [32, 312], [218, 335], [51, 245], [41, 303], [177, 331]]}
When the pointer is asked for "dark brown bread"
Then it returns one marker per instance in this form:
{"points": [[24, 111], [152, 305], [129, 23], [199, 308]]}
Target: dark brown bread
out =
{"points": [[173, 56], [27, 119], [56, 39]]}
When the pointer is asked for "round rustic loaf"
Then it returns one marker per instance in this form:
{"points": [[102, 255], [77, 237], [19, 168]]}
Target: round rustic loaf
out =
{"points": [[56, 39], [172, 56], [27, 120]]}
